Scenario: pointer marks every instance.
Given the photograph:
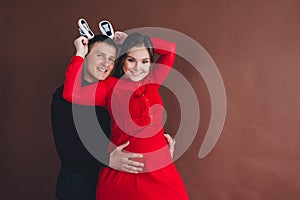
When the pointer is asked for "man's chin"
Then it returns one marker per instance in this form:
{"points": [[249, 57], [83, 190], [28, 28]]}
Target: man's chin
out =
{"points": [[102, 76]]}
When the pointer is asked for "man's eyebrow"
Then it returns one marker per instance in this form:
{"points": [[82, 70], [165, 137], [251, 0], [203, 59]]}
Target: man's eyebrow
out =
{"points": [[100, 52], [103, 53]]}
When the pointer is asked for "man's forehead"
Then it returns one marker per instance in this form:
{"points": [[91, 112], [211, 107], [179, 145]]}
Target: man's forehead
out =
{"points": [[102, 47]]}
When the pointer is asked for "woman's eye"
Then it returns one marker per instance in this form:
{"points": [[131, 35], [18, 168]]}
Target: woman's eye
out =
{"points": [[130, 60], [145, 61]]}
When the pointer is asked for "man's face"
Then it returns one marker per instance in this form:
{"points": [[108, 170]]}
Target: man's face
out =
{"points": [[99, 63]]}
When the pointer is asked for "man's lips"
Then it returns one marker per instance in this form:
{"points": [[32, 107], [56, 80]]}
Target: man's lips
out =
{"points": [[102, 69]]}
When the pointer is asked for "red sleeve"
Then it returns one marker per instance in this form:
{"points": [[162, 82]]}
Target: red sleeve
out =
{"points": [[167, 53], [93, 94]]}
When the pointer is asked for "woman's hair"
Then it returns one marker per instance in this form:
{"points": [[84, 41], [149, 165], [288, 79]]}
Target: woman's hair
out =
{"points": [[133, 40], [101, 38]]}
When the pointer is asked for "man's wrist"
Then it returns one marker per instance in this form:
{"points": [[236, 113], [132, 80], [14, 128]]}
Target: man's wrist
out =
{"points": [[80, 54]]}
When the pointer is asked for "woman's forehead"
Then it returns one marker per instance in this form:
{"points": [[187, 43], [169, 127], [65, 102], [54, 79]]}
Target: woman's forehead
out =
{"points": [[138, 52]]}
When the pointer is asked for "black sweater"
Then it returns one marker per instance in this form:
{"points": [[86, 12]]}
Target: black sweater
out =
{"points": [[72, 153]]}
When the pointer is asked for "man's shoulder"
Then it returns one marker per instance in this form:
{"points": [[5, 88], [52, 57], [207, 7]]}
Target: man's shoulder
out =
{"points": [[58, 91], [111, 80], [57, 95]]}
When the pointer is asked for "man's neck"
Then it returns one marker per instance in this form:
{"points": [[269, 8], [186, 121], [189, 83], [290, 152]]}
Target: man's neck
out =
{"points": [[86, 82]]}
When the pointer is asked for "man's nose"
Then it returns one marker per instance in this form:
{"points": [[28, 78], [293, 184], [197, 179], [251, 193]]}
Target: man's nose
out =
{"points": [[105, 62]]}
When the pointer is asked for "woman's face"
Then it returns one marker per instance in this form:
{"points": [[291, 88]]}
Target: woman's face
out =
{"points": [[137, 63]]}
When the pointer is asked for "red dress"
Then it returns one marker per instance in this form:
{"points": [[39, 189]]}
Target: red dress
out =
{"points": [[136, 110]]}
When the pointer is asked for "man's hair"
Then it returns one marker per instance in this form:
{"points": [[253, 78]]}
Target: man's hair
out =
{"points": [[101, 38]]}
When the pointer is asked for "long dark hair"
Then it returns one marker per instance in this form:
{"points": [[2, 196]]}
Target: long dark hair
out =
{"points": [[133, 40]]}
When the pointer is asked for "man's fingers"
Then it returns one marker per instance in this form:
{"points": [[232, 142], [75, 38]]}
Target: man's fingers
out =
{"points": [[134, 155], [131, 169], [121, 147], [134, 163], [85, 41], [168, 137], [134, 169], [171, 143]]}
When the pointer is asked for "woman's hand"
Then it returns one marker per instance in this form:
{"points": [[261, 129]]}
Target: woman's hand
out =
{"points": [[81, 46], [120, 37]]}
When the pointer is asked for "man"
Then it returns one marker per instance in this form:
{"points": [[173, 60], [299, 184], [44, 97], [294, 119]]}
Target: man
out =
{"points": [[78, 174]]}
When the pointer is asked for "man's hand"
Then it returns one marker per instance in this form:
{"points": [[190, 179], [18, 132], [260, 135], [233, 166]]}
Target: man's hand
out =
{"points": [[171, 143], [81, 46], [120, 160]]}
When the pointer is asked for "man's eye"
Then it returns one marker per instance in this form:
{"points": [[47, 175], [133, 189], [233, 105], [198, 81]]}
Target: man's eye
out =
{"points": [[112, 59], [100, 55]]}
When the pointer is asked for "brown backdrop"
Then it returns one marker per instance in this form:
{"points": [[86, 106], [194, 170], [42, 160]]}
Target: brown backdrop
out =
{"points": [[255, 44]]}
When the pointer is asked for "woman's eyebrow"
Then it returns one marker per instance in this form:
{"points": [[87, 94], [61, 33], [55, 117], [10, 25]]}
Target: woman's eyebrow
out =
{"points": [[136, 59]]}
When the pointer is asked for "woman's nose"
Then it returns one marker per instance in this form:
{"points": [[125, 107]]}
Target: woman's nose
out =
{"points": [[138, 66]]}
